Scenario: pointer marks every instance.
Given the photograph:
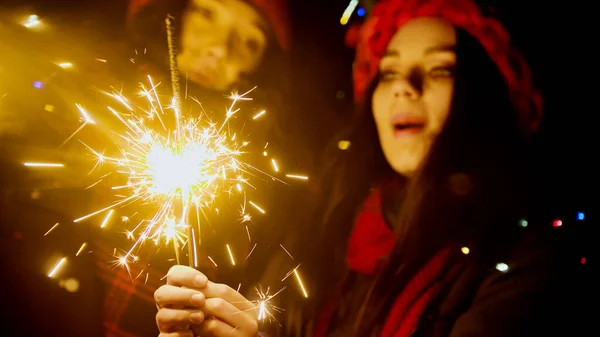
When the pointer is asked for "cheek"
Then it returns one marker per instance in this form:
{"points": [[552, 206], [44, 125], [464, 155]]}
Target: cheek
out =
{"points": [[256, 59], [247, 65], [439, 104], [191, 42], [194, 24], [231, 74], [379, 103]]}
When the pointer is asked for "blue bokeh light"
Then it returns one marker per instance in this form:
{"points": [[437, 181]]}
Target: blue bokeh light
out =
{"points": [[580, 216], [38, 84], [361, 12]]}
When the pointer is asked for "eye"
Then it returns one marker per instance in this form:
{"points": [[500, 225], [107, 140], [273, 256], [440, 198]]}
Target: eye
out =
{"points": [[252, 45], [388, 75], [441, 72], [205, 12]]}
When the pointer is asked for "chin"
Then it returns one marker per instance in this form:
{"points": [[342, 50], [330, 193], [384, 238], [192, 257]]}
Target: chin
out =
{"points": [[404, 171], [405, 166]]}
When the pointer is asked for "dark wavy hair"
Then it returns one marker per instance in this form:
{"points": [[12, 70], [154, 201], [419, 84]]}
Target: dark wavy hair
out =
{"points": [[470, 189]]}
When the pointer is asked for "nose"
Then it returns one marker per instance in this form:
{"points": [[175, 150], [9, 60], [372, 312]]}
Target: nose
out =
{"points": [[213, 56], [408, 87]]}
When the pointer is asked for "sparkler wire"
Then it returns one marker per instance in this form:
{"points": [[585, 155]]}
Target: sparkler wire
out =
{"points": [[171, 40]]}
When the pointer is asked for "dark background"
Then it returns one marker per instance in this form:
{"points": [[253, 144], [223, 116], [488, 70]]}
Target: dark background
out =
{"points": [[557, 38]]}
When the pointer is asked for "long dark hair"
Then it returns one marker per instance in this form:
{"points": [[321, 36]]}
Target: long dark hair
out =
{"points": [[470, 189]]}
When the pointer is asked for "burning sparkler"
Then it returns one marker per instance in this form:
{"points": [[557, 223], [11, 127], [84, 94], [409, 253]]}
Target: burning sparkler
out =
{"points": [[178, 170], [175, 165]]}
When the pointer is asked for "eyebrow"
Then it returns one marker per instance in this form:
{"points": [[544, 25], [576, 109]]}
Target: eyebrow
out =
{"points": [[263, 26], [435, 49], [441, 48]]}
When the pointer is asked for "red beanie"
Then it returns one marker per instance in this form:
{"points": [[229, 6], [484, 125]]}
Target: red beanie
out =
{"points": [[275, 11], [135, 6], [389, 15]]}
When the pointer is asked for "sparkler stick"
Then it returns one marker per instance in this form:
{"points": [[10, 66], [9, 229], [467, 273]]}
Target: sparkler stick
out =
{"points": [[178, 110]]}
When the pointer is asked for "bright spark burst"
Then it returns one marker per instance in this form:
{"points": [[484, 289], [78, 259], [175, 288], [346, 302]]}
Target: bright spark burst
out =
{"points": [[169, 173], [173, 170], [172, 164]]}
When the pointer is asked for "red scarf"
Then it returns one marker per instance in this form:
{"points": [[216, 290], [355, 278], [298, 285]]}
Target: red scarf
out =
{"points": [[371, 241]]}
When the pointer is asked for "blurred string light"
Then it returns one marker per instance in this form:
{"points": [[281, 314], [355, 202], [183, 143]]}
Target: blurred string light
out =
{"points": [[32, 21], [523, 223], [503, 267], [344, 144], [580, 216], [71, 285], [361, 12], [348, 12]]}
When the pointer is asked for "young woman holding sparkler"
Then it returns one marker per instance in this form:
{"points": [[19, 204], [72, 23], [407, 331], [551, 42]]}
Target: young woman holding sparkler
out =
{"points": [[438, 162]]}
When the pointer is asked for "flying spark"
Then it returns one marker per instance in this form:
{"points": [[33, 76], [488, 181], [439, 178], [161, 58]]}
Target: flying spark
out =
{"points": [[266, 309], [57, 268]]}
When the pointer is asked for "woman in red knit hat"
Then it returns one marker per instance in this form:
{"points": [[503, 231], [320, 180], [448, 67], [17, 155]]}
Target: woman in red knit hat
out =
{"points": [[431, 229]]}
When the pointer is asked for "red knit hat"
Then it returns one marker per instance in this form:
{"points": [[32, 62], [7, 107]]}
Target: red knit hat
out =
{"points": [[276, 12], [389, 15]]}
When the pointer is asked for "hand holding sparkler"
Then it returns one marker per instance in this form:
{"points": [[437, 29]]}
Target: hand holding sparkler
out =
{"points": [[190, 301]]}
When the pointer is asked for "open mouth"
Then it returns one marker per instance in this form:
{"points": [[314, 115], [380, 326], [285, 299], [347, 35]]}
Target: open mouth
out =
{"points": [[407, 125], [201, 78]]}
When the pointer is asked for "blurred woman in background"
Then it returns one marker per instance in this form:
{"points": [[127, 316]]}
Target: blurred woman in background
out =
{"points": [[222, 44]]}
